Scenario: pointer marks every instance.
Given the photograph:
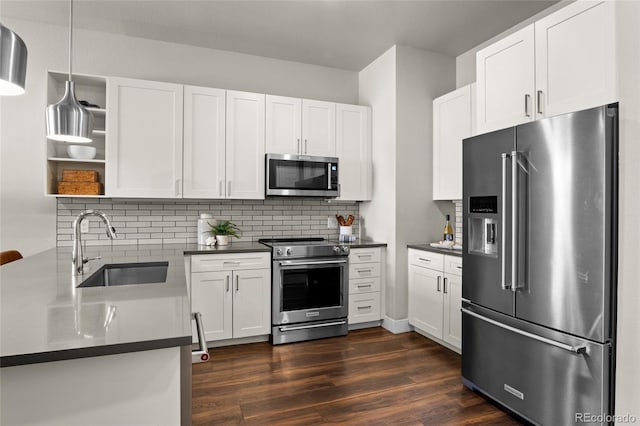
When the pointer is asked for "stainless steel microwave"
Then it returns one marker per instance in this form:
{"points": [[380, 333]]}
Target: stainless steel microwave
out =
{"points": [[301, 176]]}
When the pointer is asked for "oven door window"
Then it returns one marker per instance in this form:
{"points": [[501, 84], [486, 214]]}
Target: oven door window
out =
{"points": [[288, 174], [311, 288]]}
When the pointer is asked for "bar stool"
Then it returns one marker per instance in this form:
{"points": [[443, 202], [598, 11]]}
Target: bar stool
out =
{"points": [[9, 256]]}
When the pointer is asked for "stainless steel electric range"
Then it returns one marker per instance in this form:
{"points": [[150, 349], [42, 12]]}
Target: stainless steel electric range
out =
{"points": [[310, 279]]}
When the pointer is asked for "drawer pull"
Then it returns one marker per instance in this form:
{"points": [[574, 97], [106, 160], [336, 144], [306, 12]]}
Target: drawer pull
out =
{"points": [[361, 271], [365, 307], [424, 260], [364, 285], [459, 267], [230, 262], [360, 256]]}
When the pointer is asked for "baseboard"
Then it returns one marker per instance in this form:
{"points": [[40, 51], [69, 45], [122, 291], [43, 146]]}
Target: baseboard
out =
{"points": [[396, 326], [438, 341], [368, 324], [240, 341]]}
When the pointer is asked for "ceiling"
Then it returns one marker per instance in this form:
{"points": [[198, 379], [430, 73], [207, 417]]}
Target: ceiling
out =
{"points": [[340, 34]]}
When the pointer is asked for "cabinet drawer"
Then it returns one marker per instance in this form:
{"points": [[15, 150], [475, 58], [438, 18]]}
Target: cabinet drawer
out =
{"points": [[453, 265], [426, 259], [364, 307], [364, 255], [364, 270], [364, 285], [227, 262]]}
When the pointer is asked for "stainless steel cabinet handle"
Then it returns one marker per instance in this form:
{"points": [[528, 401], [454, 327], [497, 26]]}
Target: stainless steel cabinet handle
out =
{"points": [[227, 280], [178, 185], [365, 307], [361, 256], [444, 285], [576, 349], [230, 262], [438, 285], [539, 101], [514, 220], [363, 285], [527, 98], [220, 190], [424, 260], [503, 255], [459, 267], [228, 188], [364, 270], [306, 146], [237, 283], [299, 147]]}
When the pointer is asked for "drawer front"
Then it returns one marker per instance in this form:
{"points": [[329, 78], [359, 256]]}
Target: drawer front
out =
{"points": [[364, 307], [365, 255], [228, 262], [364, 270], [426, 259], [453, 265], [364, 285]]}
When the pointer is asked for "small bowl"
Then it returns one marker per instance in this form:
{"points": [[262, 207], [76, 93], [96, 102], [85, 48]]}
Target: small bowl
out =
{"points": [[81, 152]]}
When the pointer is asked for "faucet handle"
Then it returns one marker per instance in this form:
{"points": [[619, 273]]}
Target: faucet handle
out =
{"points": [[86, 259], [111, 232]]}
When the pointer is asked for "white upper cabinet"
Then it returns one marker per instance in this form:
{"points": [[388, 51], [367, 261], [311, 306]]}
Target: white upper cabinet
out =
{"points": [[144, 146], [204, 143], [562, 63], [245, 147], [575, 58], [506, 82], [452, 122], [353, 148], [284, 125], [318, 128]]}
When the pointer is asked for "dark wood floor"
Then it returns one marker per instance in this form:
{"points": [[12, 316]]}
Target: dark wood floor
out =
{"points": [[369, 377]]}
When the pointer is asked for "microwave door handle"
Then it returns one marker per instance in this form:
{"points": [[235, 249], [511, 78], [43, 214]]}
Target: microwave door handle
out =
{"points": [[328, 175]]}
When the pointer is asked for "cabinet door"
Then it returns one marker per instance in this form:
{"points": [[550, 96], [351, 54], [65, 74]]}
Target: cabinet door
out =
{"points": [[451, 123], [144, 139], [425, 300], [245, 145], [204, 143], [452, 327], [318, 128], [211, 295], [505, 82], [575, 58], [251, 302], [353, 148], [284, 125]]}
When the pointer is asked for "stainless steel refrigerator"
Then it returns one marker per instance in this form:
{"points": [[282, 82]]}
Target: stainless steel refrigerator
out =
{"points": [[539, 282]]}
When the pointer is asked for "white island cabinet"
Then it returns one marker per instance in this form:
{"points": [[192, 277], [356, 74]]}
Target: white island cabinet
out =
{"points": [[144, 139]]}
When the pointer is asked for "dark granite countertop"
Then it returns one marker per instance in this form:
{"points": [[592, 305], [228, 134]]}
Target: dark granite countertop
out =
{"points": [[427, 247]]}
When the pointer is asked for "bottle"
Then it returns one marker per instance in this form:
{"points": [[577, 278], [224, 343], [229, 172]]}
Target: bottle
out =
{"points": [[448, 231], [203, 227]]}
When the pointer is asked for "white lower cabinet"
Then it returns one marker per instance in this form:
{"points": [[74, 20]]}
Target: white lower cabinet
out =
{"points": [[366, 274], [234, 299], [435, 294]]}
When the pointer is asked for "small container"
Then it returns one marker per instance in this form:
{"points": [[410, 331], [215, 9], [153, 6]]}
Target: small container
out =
{"points": [[204, 228]]}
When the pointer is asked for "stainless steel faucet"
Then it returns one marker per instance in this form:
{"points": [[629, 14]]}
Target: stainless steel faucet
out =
{"points": [[77, 259]]}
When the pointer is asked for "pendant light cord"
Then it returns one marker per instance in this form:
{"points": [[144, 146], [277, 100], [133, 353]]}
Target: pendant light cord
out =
{"points": [[70, 34]]}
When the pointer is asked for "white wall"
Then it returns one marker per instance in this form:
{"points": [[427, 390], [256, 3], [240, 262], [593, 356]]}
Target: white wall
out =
{"points": [[628, 337], [421, 77], [27, 218], [377, 88]]}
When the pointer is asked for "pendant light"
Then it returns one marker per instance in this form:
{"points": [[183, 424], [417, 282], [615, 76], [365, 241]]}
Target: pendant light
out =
{"points": [[13, 62], [68, 121]]}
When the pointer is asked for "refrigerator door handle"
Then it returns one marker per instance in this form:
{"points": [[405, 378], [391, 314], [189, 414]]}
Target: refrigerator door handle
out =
{"points": [[503, 261], [575, 349], [514, 221]]}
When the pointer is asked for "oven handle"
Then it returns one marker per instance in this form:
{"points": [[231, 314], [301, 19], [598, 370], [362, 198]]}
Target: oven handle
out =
{"points": [[304, 327], [305, 263]]}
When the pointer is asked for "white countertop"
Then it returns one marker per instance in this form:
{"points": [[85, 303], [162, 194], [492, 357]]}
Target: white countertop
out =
{"points": [[44, 317]]}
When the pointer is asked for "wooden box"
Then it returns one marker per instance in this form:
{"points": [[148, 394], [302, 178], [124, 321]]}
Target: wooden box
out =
{"points": [[80, 188], [80, 176]]}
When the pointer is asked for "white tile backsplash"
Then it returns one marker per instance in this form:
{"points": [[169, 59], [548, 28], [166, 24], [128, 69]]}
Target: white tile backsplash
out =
{"points": [[174, 221], [458, 221]]}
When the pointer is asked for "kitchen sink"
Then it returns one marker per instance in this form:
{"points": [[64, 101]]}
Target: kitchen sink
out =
{"points": [[128, 274]]}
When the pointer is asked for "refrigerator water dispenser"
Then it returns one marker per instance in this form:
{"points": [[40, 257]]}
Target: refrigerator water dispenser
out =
{"points": [[483, 228]]}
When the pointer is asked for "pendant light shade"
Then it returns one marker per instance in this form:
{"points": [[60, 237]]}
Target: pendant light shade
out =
{"points": [[68, 120], [13, 62]]}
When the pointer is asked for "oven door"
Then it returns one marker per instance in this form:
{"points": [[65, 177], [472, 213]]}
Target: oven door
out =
{"points": [[307, 290], [301, 175]]}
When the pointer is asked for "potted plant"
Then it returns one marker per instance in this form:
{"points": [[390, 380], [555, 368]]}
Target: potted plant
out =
{"points": [[223, 231]]}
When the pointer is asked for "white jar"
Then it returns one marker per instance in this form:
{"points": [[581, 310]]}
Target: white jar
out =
{"points": [[204, 228]]}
